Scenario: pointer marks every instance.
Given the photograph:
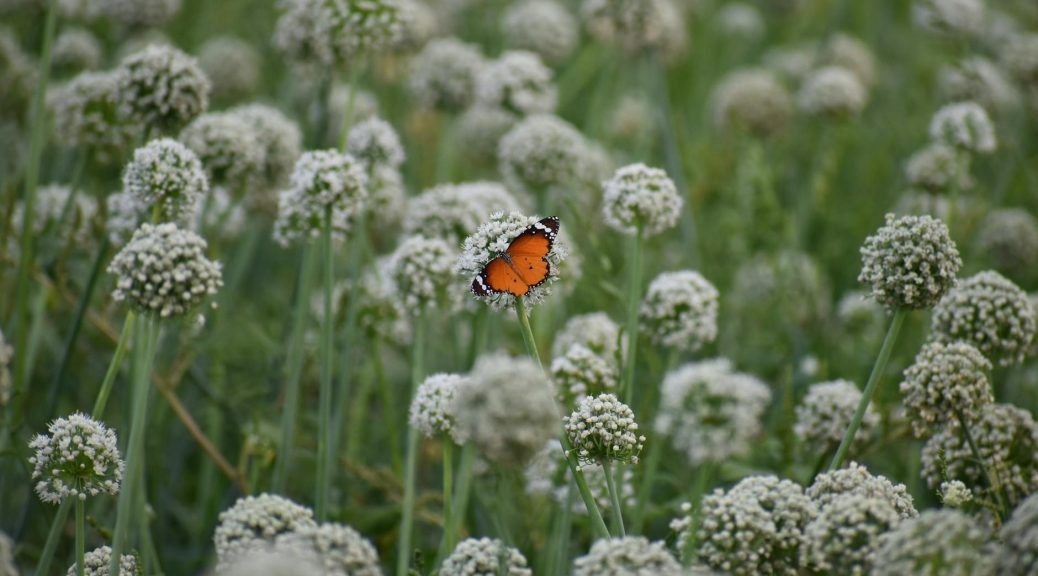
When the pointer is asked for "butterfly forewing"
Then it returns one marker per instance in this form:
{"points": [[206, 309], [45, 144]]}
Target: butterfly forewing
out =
{"points": [[524, 264], [498, 276]]}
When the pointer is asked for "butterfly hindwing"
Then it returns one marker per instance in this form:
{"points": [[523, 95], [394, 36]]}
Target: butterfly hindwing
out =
{"points": [[523, 265], [497, 277]]}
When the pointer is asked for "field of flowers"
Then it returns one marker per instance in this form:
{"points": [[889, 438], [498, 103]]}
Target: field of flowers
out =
{"points": [[493, 287]]}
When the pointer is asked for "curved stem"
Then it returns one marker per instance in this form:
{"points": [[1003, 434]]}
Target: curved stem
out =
{"points": [[114, 366], [324, 399], [403, 559], [614, 498], [996, 489], [870, 388]]}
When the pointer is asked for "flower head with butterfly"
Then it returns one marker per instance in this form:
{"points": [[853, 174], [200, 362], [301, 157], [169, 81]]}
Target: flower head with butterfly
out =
{"points": [[512, 256]]}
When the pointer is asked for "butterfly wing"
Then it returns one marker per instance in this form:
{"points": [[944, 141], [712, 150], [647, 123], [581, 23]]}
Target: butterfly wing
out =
{"points": [[499, 277], [529, 251]]}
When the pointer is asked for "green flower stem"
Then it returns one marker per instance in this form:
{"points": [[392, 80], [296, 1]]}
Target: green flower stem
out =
{"points": [[996, 488], [358, 249], [614, 498], [114, 366], [633, 300], [294, 369], [56, 528], [144, 348], [77, 325], [652, 464], [403, 559], [704, 475], [80, 536], [37, 138], [448, 491], [598, 525], [870, 388], [557, 555], [389, 413], [324, 399], [460, 502]]}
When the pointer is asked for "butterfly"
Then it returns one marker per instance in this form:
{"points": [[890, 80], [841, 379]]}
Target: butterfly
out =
{"points": [[523, 265]]}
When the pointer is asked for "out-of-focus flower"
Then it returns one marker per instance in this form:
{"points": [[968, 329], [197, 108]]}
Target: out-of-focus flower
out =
{"points": [[956, 17], [680, 310], [1019, 537], [946, 382], [422, 271], [595, 331], [855, 479], [640, 200], [279, 138], [711, 412], [227, 146], [938, 168], [474, 556], [752, 100], [51, 203], [846, 51], [910, 262], [541, 152], [374, 142], [627, 556], [832, 92], [937, 542], [541, 26], [340, 548], [76, 459], [740, 21], [324, 184], [329, 32], [843, 539], [964, 125], [232, 65], [481, 128], [825, 413], [1009, 238], [431, 409], [518, 82], [455, 211], [254, 523], [634, 25], [76, 50], [979, 80], [443, 75], [162, 88], [86, 113]]}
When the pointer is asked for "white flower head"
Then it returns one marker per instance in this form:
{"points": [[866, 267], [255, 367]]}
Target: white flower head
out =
{"points": [[324, 183], [162, 87], [228, 147], [76, 459], [167, 174], [443, 75], [431, 409], [640, 200], [374, 142], [937, 542], [979, 80], [86, 113], [478, 556], [278, 136], [843, 539], [680, 310], [254, 523], [1009, 238], [955, 493], [518, 82], [541, 152], [634, 25], [954, 17], [627, 556], [97, 562], [833, 486], [232, 65], [937, 168], [946, 382], [542, 26], [163, 271], [825, 413], [752, 100], [455, 211], [595, 331], [832, 92], [339, 548], [422, 271], [964, 125], [1019, 537], [580, 373], [330, 32], [602, 429]]}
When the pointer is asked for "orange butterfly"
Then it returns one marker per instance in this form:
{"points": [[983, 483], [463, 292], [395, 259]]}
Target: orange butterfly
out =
{"points": [[523, 265]]}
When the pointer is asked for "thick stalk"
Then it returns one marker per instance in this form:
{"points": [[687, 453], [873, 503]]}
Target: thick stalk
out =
{"points": [[448, 492], [614, 498], [147, 335], [113, 368], [403, 559], [870, 388], [598, 525], [294, 369], [633, 300], [80, 536], [324, 399], [996, 489]]}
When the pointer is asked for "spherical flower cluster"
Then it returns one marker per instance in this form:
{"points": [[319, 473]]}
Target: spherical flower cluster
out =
{"points": [[422, 270], [1009, 238], [419, 22], [580, 373], [167, 174], [477, 556], [140, 13], [75, 50], [1019, 537], [859, 315], [365, 106], [380, 311], [443, 75], [541, 26], [431, 409], [97, 562], [595, 331], [938, 168], [1007, 440], [851, 53], [632, 24], [227, 147], [964, 125], [455, 211], [640, 200], [163, 271], [324, 184], [232, 65], [752, 100], [740, 20], [518, 82], [491, 239], [162, 88], [855, 479], [327, 32], [910, 262], [548, 473], [541, 152], [506, 408], [255, 522], [51, 202], [946, 382], [481, 128], [979, 80], [825, 413], [680, 311], [937, 542], [78, 458], [832, 92], [843, 539], [711, 412], [279, 137], [955, 494], [989, 312], [86, 113], [602, 429], [756, 527], [374, 142], [627, 556], [1021, 59], [340, 548], [949, 16], [273, 561]]}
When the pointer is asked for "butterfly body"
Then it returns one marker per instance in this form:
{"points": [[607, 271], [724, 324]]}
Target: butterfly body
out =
{"points": [[523, 265]]}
